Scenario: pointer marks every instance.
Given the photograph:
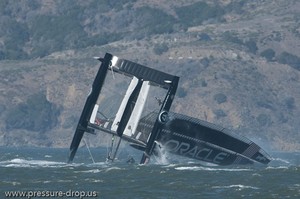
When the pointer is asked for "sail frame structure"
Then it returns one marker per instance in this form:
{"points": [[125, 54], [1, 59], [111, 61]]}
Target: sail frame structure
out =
{"points": [[144, 76]]}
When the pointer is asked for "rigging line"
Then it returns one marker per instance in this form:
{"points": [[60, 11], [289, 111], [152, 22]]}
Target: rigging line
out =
{"points": [[107, 152], [114, 156], [88, 148], [102, 114], [111, 148], [112, 71]]}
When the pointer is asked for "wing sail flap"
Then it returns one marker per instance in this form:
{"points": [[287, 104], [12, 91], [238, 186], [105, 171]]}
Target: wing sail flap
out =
{"points": [[137, 110], [129, 108], [125, 100]]}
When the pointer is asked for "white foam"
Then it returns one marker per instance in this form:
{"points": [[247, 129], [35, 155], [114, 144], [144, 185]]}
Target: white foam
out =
{"points": [[11, 182], [200, 168], [170, 165], [90, 171], [161, 160], [98, 170], [235, 186], [281, 160], [162, 157], [97, 164], [64, 181], [94, 180], [277, 167], [113, 168], [18, 162]]}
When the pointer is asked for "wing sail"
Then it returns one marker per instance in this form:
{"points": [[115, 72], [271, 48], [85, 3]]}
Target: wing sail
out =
{"points": [[120, 98], [89, 106]]}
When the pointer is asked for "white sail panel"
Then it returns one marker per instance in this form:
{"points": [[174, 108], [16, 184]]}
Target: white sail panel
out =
{"points": [[121, 110], [94, 114], [137, 111]]}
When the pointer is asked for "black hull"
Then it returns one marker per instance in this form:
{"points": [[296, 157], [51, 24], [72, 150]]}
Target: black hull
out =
{"points": [[200, 140]]}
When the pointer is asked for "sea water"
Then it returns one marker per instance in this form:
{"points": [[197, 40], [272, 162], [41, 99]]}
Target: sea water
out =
{"points": [[44, 173]]}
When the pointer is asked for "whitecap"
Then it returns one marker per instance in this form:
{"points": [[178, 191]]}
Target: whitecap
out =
{"points": [[278, 167], [11, 182], [200, 168], [17, 165], [90, 171], [281, 160], [237, 186], [97, 164], [97, 181], [113, 168], [101, 167], [18, 162], [93, 180], [36, 162], [72, 165], [62, 181], [256, 174], [170, 165]]}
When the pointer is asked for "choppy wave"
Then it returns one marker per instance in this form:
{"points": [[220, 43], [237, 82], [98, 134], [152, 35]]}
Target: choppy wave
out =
{"points": [[277, 167], [90, 171], [13, 183], [280, 160], [236, 186], [201, 168], [19, 162], [177, 179]]}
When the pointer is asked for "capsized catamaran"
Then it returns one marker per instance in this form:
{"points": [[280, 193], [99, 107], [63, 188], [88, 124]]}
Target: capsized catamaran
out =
{"points": [[132, 103]]}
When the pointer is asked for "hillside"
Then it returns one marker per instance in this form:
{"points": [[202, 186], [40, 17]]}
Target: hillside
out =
{"points": [[237, 60]]}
